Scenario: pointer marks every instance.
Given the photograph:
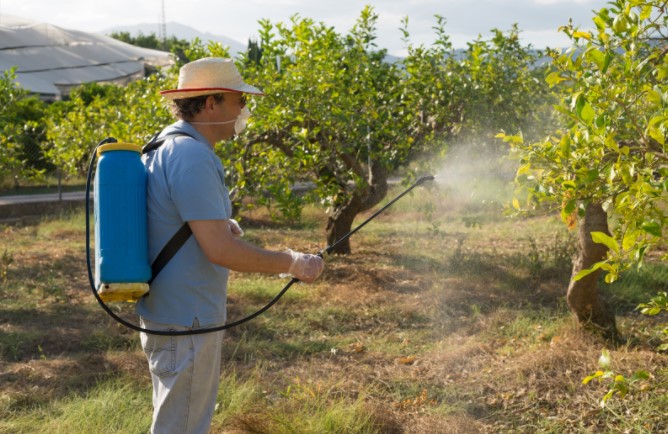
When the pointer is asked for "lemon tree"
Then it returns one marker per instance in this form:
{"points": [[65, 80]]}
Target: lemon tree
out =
{"points": [[606, 168]]}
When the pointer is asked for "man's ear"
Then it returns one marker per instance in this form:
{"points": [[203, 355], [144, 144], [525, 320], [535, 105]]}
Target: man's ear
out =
{"points": [[210, 102]]}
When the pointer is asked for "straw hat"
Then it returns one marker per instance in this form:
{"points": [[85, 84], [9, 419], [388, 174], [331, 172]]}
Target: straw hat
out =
{"points": [[208, 76]]}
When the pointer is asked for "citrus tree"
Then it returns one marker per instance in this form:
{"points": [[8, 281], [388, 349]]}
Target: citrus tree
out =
{"points": [[21, 131], [502, 86], [131, 113], [338, 116], [606, 168], [10, 162], [94, 112]]}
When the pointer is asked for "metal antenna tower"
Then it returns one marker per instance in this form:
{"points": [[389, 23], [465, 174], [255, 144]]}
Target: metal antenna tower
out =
{"points": [[162, 29]]}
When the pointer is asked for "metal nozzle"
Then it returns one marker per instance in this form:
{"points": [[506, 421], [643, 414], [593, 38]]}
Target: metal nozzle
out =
{"points": [[424, 179]]}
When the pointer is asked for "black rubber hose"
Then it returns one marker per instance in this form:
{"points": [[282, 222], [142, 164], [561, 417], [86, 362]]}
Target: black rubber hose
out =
{"points": [[142, 329], [231, 324]]}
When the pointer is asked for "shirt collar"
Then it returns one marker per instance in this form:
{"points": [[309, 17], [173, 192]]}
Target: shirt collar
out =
{"points": [[182, 126]]}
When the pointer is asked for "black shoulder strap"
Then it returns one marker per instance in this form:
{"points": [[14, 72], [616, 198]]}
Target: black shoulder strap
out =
{"points": [[167, 253], [156, 141], [181, 236]]}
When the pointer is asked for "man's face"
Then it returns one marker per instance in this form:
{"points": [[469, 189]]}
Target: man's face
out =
{"points": [[228, 110]]}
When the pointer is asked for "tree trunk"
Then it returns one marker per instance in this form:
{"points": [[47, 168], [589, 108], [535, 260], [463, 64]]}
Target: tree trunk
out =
{"points": [[583, 296], [341, 220]]}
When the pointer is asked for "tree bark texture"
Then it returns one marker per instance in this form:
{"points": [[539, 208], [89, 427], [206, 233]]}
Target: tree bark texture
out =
{"points": [[583, 295], [341, 220]]}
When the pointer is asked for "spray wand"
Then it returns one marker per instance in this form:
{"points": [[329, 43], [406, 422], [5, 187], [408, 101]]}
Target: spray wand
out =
{"points": [[420, 181], [273, 301]]}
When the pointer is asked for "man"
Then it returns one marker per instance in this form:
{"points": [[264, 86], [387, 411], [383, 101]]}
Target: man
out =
{"points": [[186, 184]]}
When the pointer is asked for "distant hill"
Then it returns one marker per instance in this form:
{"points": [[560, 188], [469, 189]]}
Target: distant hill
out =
{"points": [[180, 31]]}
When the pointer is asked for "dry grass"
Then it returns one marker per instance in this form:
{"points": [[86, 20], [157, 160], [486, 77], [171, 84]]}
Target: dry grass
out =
{"points": [[430, 327]]}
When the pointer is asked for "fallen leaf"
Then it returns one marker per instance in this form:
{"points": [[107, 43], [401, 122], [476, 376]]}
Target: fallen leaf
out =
{"points": [[406, 360]]}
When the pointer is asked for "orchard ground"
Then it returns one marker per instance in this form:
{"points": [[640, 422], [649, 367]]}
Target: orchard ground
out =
{"points": [[443, 320]]}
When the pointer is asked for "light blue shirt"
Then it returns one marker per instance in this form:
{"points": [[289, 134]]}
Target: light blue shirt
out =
{"points": [[186, 181]]}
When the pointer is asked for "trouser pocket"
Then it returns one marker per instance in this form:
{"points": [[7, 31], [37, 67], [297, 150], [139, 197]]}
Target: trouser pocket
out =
{"points": [[161, 354]]}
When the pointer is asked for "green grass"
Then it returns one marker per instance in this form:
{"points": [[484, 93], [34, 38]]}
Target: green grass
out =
{"points": [[432, 325], [236, 396], [311, 408], [110, 407], [638, 285]]}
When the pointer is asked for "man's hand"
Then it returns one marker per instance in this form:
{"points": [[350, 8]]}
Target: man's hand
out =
{"points": [[235, 228], [305, 267]]}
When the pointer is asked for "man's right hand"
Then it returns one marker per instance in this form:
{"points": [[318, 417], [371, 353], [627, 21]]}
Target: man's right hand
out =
{"points": [[305, 267]]}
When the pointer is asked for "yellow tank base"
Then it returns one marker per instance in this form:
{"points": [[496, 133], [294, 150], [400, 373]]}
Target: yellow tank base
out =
{"points": [[122, 291]]}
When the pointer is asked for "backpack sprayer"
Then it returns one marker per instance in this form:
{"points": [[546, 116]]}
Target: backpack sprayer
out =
{"points": [[122, 271]]}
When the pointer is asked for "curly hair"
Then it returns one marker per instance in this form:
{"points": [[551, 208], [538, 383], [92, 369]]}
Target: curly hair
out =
{"points": [[187, 108]]}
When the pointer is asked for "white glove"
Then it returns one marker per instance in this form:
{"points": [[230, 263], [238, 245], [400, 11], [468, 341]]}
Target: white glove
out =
{"points": [[306, 267], [235, 228]]}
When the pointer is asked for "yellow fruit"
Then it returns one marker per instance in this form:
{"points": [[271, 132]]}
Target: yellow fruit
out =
{"points": [[620, 24]]}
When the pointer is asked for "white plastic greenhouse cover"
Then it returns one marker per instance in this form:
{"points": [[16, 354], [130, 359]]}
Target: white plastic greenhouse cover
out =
{"points": [[50, 60]]}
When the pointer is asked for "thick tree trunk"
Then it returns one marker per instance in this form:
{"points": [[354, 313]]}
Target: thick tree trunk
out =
{"points": [[583, 296], [340, 223], [341, 220]]}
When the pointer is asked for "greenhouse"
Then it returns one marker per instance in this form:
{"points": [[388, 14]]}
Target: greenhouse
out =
{"points": [[50, 60]]}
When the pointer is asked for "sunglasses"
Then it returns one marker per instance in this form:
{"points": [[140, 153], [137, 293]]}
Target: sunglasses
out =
{"points": [[243, 100]]}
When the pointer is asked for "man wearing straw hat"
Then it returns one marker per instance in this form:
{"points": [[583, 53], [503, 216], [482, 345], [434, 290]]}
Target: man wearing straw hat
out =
{"points": [[186, 184]]}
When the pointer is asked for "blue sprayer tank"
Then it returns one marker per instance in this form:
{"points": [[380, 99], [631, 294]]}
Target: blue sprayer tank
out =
{"points": [[121, 239]]}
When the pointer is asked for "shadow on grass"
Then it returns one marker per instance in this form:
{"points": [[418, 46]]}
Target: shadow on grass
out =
{"points": [[51, 352], [42, 314], [45, 332], [43, 276]]}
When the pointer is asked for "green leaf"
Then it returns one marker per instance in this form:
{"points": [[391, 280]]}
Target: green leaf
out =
{"points": [[657, 135], [592, 175], [640, 375], [608, 58], [554, 78], [587, 271], [651, 311], [611, 277], [606, 240], [584, 110], [600, 23], [597, 374], [565, 146], [627, 173], [567, 210], [652, 228], [597, 57], [629, 240], [646, 12], [570, 185]]}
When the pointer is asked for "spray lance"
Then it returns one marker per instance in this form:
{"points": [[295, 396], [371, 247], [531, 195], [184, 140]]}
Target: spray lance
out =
{"points": [[127, 156]]}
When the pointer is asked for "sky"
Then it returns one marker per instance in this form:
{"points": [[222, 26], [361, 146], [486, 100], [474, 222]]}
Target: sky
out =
{"points": [[538, 20]]}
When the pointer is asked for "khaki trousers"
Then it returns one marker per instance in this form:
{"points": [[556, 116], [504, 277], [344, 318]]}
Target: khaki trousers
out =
{"points": [[185, 371]]}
